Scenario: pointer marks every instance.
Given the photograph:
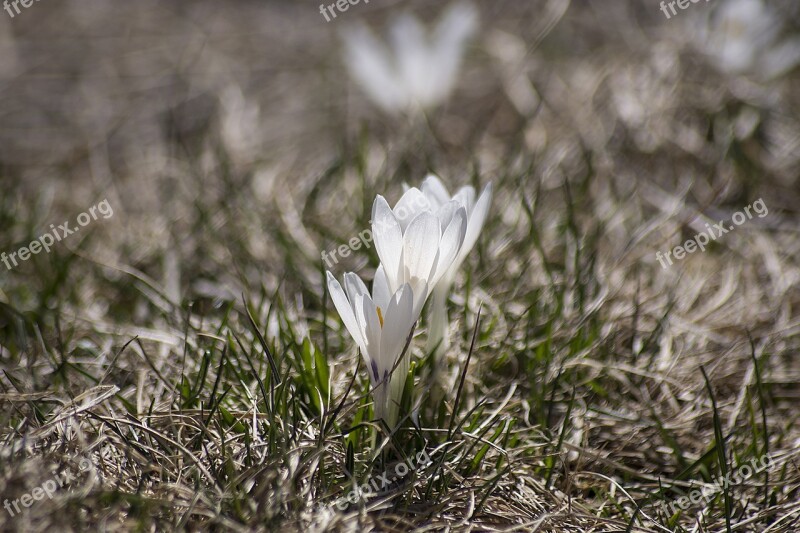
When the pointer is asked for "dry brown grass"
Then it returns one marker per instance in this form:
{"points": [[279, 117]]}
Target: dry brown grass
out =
{"points": [[233, 150]]}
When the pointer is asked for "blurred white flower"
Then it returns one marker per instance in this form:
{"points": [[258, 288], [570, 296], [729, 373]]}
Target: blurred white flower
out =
{"points": [[418, 70], [381, 325], [743, 37], [416, 242], [240, 126]]}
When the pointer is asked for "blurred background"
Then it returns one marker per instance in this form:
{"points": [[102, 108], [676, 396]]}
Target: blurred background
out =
{"points": [[172, 111]]}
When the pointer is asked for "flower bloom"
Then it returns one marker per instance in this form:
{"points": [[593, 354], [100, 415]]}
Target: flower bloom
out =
{"points": [[417, 245], [417, 70], [381, 325], [742, 36]]}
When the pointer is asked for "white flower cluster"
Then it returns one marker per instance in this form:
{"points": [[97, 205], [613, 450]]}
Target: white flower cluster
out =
{"points": [[421, 243], [746, 37], [418, 70]]}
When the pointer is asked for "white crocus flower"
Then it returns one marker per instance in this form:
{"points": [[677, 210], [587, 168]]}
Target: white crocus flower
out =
{"points": [[416, 243], [381, 325], [437, 196], [417, 71], [742, 37]]}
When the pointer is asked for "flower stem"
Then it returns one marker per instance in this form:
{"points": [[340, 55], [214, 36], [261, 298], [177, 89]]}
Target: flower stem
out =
{"points": [[437, 331], [438, 340]]}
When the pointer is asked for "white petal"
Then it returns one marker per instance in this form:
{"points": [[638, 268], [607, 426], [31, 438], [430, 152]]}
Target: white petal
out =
{"points": [[435, 191], [354, 286], [369, 64], [380, 289], [475, 223], [452, 33], [368, 317], [397, 324], [420, 292], [394, 341], [457, 25], [421, 248], [388, 239], [345, 309], [419, 287], [466, 197], [411, 204], [451, 243], [445, 213], [409, 45]]}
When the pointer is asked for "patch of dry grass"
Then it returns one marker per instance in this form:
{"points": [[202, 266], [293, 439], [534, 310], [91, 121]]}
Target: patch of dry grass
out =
{"points": [[233, 151]]}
